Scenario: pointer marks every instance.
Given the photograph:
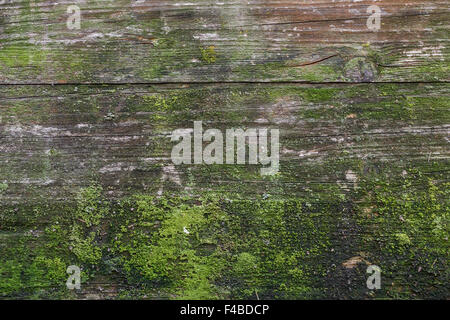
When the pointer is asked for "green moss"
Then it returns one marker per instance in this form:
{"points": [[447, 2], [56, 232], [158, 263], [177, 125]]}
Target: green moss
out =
{"points": [[319, 73], [14, 57], [45, 272], [402, 239], [319, 94], [159, 248], [29, 268], [71, 236], [10, 275], [22, 60], [220, 246], [91, 208], [3, 187], [406, 221], [208, 54], [85, 247]]}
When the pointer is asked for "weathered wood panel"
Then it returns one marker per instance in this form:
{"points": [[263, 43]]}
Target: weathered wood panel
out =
{"points": [[48, 132], [86, 176], [162, 41]]}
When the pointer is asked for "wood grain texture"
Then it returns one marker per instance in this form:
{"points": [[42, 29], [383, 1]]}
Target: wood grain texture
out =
{"points": [[128, 136], [86, 176], [159, 41]]}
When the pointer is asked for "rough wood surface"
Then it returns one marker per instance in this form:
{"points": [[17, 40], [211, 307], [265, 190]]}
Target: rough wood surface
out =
{"points": [[161, 41], [86, 176]]}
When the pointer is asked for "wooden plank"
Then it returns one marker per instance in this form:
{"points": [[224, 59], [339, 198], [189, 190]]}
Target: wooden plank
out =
{"points": [[205, 41], [47, 132]]}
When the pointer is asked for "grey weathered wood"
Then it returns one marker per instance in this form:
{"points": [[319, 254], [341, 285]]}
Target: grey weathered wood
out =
{"points": [[97, 106], [161, 41]]}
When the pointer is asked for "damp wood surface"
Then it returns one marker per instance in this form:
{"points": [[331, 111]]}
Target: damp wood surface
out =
{"points": [[86, 176]]}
